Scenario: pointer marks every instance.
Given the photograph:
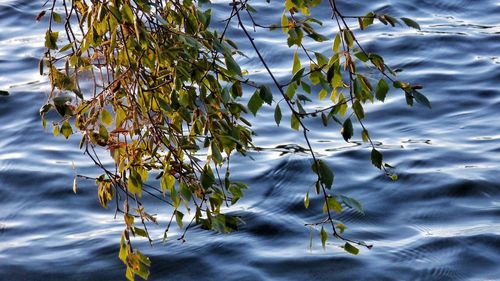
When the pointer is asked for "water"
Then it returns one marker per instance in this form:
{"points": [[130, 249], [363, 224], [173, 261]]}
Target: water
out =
{"points": [[439, 221]]}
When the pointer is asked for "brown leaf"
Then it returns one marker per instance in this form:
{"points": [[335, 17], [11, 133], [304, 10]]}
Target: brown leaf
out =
{"points": [[40, 15]]}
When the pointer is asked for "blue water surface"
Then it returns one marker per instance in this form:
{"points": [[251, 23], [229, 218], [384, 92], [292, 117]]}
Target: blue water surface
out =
{"points": [[439, 221]]}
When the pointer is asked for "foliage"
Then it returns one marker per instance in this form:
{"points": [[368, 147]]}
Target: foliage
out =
{"points": [[168, 99]]}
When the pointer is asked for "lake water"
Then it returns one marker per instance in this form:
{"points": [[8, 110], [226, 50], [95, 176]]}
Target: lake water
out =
{"points": [[439, 221]]}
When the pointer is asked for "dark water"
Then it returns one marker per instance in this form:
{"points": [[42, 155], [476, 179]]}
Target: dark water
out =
{"points": [[439, 221]]}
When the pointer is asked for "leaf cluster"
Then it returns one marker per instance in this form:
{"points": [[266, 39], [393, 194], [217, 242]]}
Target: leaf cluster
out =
{"points": [[169, 100]]}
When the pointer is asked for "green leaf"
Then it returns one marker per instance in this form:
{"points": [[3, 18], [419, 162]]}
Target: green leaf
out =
{"points": [[103, 133], [411, 23], [295, 122], [300, 108], [341, 227], [317, 187], [216, 155], [64, 48], [336, 43], [330, 73], [324, 172], [296, 63], [306, 200], [106, 117], [365, 136], [284, 23], [351, 249], [66, 129], [128, 15], [55, 131], [324, 119], [368, 19], [365, 84], [224, 224], [420, 98], [77, 93], [185, 192], [322, 94], [142, 271], [140, 232], [348, 37], [298, 75], [352, 203], [277, 115], [116, 13], [318, 37], [400, 85], [63, 81], [291, 89], [45, 108], [167, 182], [145, 260], [135, 183], [207, 177], [51, 40], [376, 158], [232, 66], [358, 110], [333, 204], [295, 36], [236, 89], [377, 61], [347, 130], [265, 94], [361, 56], [324, 237], [122, 255], [303, 98], [321, 59], [391, 20], [255, 103], [129, 219], [381, 90], [40, 66], [409, 99], [306, 87], [178, 218], [143, 173], [129, 274], [313, 19], [250, 8], [56, 17]]}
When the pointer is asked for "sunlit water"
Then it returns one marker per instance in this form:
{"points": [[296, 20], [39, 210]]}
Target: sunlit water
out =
{"points": [[439, 221]]}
